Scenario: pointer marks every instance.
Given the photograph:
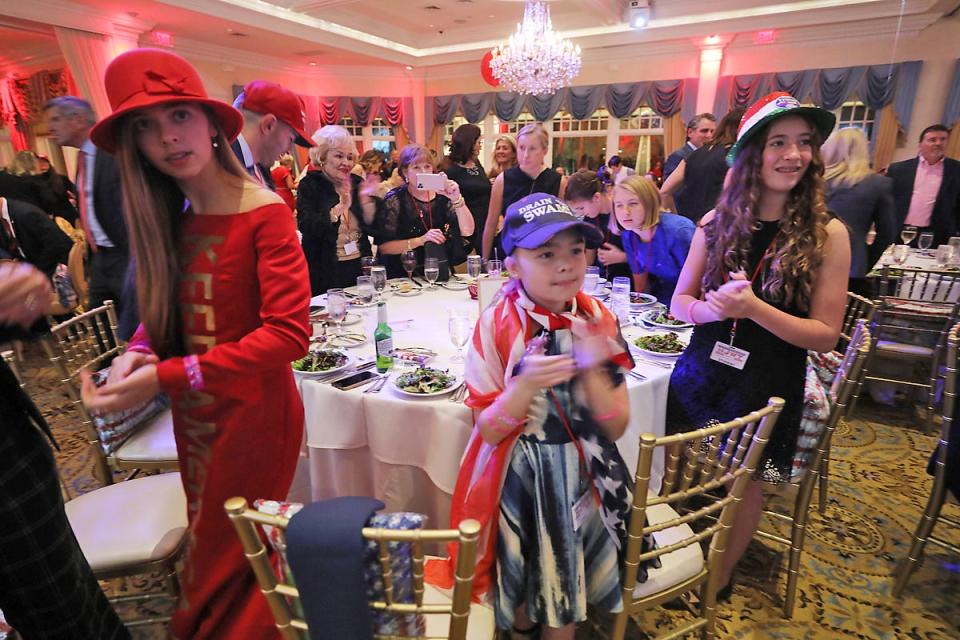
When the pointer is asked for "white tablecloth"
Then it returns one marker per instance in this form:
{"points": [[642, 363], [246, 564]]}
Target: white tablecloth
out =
{"points": [[406, 451]]}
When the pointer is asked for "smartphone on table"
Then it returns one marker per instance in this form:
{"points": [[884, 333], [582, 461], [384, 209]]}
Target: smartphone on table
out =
{"points": [[355, 380]]}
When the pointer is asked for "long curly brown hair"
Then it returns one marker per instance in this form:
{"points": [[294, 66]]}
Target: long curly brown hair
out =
{"points": [[798, 248]]}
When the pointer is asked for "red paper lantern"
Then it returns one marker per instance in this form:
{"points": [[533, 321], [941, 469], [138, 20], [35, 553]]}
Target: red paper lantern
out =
{"points": [[486, 71]]}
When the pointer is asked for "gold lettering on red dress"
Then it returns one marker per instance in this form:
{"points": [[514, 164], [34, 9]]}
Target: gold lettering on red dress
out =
{"points": [[205, 282], [197, 455], [194, 245], [200, 344], [193, 312]]}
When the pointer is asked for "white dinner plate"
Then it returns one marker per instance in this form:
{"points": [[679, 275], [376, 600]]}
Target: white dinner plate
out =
{"points": [[457, 381], [647, 352], [455, 285], [648, 317], [312, 375], [408, 294]]}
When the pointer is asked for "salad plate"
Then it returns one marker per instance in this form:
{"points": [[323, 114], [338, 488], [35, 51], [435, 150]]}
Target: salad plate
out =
{"points": [[426, 382], [664, 320], [660, 344], [321, 363]]}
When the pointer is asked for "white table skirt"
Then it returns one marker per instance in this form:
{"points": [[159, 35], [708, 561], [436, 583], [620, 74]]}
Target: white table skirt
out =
{"points": [[406, 451]]}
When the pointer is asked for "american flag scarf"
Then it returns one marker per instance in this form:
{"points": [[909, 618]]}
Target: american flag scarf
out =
{"points": [[499, 343]]}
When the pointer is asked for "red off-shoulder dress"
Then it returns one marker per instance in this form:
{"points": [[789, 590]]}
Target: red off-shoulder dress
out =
{"points": [[238, 419]]}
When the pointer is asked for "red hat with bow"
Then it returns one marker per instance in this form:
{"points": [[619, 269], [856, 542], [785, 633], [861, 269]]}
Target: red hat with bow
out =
{"points": [[146, 77]]}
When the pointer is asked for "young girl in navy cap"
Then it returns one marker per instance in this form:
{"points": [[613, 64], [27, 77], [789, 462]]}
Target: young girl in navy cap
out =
{"points": [[541, 472]]}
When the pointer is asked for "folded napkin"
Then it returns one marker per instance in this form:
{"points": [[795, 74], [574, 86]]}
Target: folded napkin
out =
{"points": [[325, 552]]}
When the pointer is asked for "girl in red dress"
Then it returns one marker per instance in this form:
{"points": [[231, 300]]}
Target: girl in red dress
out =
{"points": [[223, 295]]}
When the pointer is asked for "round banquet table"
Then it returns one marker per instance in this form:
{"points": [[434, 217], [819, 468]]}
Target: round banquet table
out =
{"points": [[406, 451]]}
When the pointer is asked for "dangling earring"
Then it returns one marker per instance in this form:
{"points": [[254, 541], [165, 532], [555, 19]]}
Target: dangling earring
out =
{"points": [[215, 143]]}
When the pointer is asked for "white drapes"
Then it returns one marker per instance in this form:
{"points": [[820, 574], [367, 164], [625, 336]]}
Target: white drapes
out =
{"points": [[87, 56]]}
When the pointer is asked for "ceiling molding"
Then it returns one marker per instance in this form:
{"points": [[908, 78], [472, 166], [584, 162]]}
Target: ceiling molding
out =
{"points": [[73, 15]]}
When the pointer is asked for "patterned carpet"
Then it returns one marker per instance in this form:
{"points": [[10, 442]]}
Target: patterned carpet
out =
{"points": [[877, 492]]}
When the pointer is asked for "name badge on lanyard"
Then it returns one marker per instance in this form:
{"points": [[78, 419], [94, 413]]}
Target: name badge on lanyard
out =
{"points": [[729, 355]]}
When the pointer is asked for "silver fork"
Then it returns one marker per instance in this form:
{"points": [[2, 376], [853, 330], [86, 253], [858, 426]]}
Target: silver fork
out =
{"points": [[636, 375], [457, 395], [377, 385]]}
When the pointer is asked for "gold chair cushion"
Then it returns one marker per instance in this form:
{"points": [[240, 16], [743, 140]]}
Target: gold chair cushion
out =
{"points": [[153, 442], [676, 566], [130, 523]]}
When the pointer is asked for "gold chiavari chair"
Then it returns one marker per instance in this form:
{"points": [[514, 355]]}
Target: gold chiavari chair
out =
{"points": [[131, 529], [90, 341], [858, 308], [840, 393], [938, 492], [922, 305], [447, 616], [692, 471]]}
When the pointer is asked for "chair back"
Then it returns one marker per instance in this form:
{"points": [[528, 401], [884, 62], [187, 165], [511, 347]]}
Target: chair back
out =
{"points": [[848, 378], [949, 404], [11, 359], [723, 456], [858, 308], [277, 592], [77, 271], [919, 284], [90, 341]]}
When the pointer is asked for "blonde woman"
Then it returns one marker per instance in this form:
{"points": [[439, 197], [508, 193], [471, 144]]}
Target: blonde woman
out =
{"points": [[862, 199], [504, 156], [656, 243], [530, 175], [335, 211]]}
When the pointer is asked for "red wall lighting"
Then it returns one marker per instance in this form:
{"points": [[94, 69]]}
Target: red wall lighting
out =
{"points": [[161, 38], [767, 36]]}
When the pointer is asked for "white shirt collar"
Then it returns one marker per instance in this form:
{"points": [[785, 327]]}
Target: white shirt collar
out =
{"points": [[88, 147], [245, 151], [4, 211], [924, 162], [692, 146]]}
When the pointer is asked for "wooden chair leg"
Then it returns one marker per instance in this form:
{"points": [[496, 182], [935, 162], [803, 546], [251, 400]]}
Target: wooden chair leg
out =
{"points": [[924, 529], [619, 627]]}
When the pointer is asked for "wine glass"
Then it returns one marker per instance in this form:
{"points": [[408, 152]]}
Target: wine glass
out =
{"points": [[474, 266], [378, 275], [366, 263], [337, 307], [900, 253], [365, 290], [907, 234], [926, 240], [459, 327], [431, 270], [409, 259], [494, 267], [944, 255]]}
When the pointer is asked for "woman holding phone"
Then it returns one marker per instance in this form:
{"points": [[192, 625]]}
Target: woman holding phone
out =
{"points": [[421, 212]]}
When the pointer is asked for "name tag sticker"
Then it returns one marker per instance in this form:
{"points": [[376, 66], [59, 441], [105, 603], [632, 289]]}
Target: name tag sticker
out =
{"points": [[582, 509], [350, 248], [729, 355]]}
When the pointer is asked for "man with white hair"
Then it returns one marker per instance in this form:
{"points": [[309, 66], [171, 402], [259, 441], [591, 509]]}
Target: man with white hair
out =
{"points": [[273, 120]]}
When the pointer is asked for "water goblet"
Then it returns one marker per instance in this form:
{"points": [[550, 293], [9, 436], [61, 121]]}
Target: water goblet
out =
{"points": [[944, 255], [474, 266], [955, 243], [409, 260], [907, 234], [337, 307], [460, 328], [900, 253], [366, 263], [591, 279], [494, 268], [431, 270], [925, 241], [365, 289], [378, 275]]}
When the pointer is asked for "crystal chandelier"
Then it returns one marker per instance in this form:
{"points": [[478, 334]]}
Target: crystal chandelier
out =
{"points": [[536, 60]]}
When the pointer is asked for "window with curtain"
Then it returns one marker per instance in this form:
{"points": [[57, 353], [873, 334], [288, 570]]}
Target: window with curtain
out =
{"points": [[382, 136], [856, 114], [579, 144], [355, 130], [458, 122], [640, 140]]}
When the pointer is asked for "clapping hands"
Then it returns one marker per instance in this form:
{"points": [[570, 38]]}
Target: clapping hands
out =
{"points": [[734, 298]]}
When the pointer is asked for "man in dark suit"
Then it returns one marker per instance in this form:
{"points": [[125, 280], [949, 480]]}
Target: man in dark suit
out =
{"points": [[700, 129], [100, 203], [47, 589], [27, 230], [273, 120], [25, 189], [926, 189]]}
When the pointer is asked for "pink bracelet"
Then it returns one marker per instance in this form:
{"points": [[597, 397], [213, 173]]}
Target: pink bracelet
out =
{"points": [[504, 423], [610, 415], [194, 375], [138, 348], [693, 305]]}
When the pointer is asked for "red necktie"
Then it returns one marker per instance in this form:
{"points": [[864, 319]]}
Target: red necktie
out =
{"points": [[82, 198]]}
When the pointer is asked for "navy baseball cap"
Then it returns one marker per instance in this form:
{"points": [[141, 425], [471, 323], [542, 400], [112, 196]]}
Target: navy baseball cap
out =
{"points": [[532, 221]]}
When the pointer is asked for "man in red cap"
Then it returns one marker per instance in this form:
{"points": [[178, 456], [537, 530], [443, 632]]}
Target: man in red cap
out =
{"points": [[273, 119]]}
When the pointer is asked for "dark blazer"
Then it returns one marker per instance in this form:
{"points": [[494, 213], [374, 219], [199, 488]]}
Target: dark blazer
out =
{"points": [[673, 160], [869, 202], [265, 171], [316, 196], [42, 242], [27, 189], [108, 199], [945, 220]]}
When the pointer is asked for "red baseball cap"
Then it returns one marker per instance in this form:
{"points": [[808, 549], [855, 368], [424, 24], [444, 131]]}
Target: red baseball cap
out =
{"points": [[145, 77], [265, 97]]}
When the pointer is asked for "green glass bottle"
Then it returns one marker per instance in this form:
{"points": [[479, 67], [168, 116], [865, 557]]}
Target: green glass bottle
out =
{"points": [[383, 339]]}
